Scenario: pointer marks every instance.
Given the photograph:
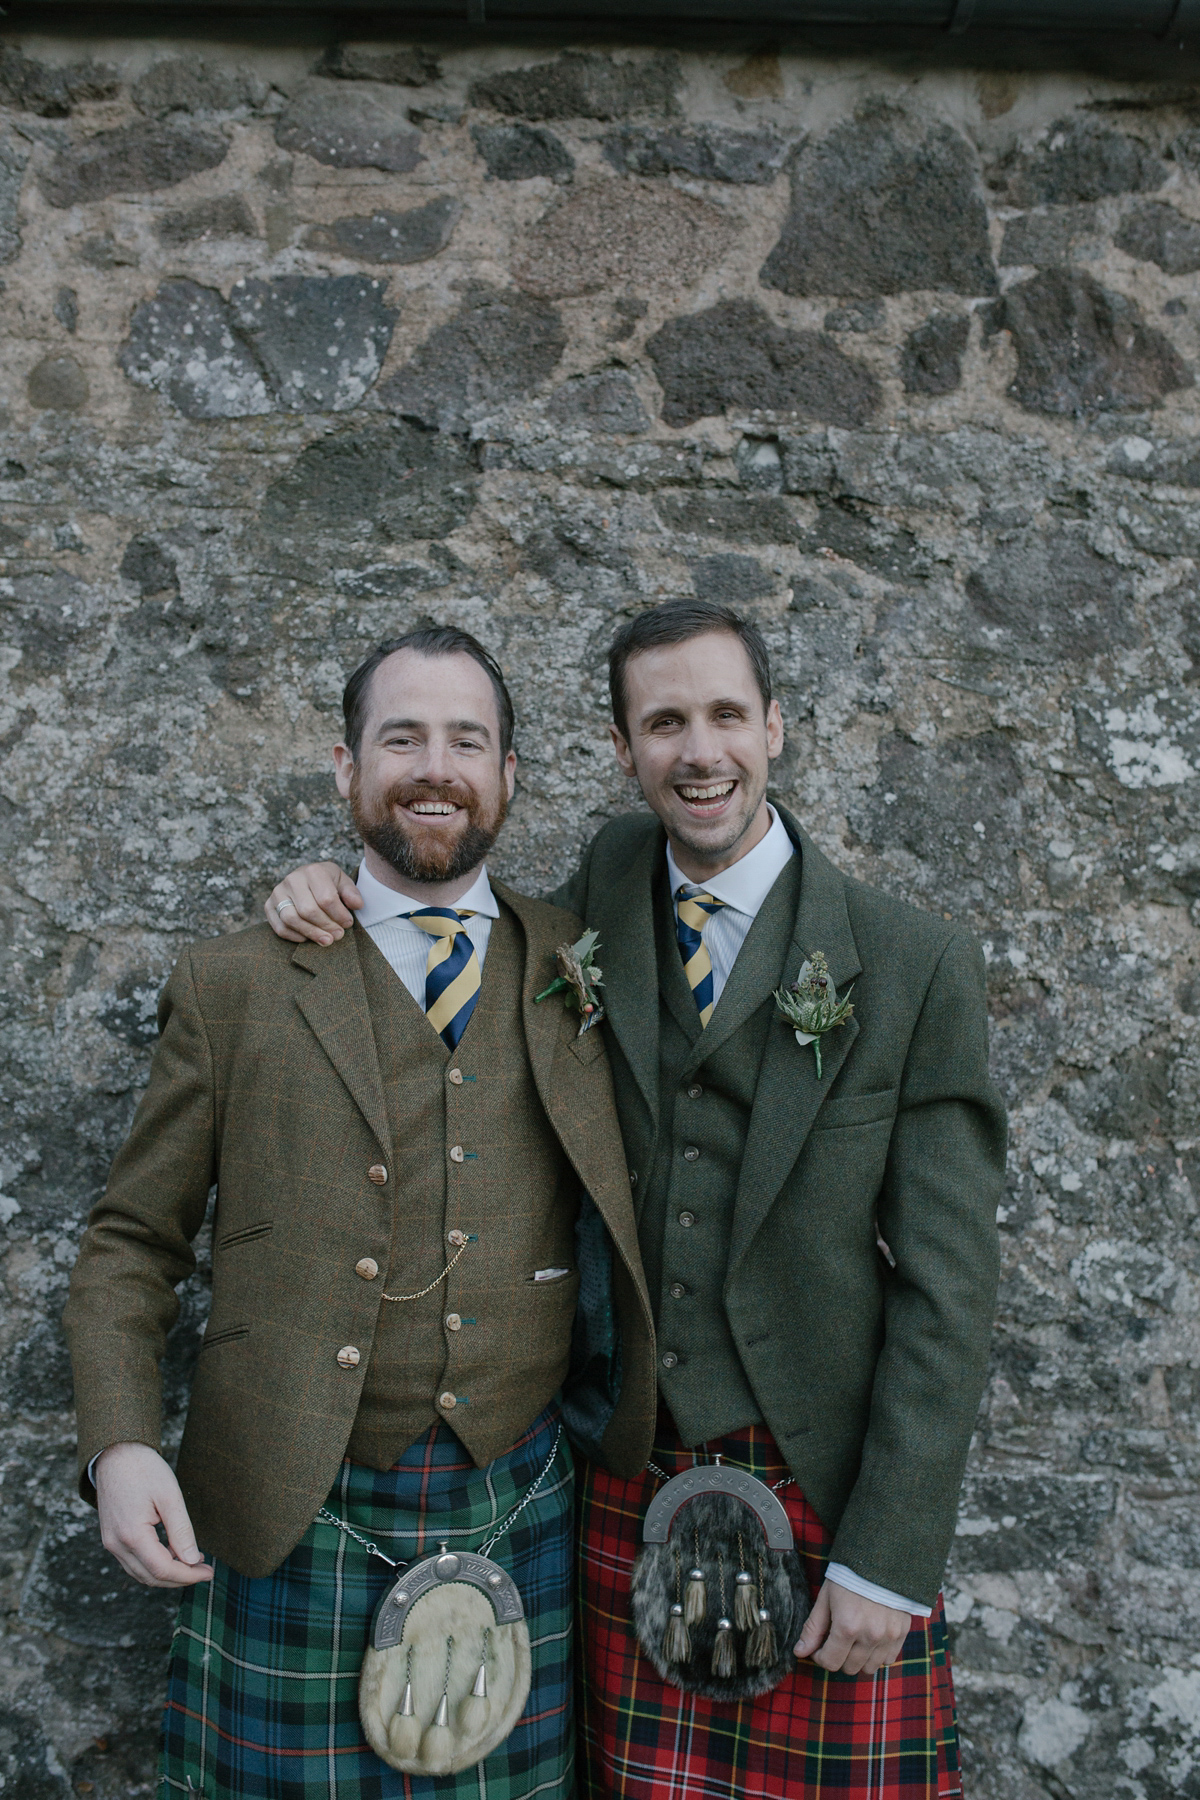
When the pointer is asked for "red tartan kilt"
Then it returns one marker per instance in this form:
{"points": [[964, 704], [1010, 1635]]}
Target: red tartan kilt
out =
{"points": [[890, 1736]]}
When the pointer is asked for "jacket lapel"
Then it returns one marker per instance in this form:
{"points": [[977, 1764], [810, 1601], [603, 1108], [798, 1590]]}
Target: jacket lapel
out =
{"points": [[788, 1096], [596, 1154], [624, 917], [334, 1002]]}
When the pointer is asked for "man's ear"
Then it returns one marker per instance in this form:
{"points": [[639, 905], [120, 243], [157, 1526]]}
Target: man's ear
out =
{"points": [[343, 769], [774, 729], [621, 750], [510, 773]]}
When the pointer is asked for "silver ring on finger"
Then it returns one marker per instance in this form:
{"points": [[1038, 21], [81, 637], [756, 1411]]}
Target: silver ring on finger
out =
{"points": [[279, 906]]}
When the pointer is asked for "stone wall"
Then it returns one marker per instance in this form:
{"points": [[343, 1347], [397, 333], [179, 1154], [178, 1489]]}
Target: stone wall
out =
{"points": [[301, 347]]}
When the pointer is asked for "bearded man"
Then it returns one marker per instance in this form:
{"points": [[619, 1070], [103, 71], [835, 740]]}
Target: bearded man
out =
{"points": [[405, 1148], [817, 1150]]}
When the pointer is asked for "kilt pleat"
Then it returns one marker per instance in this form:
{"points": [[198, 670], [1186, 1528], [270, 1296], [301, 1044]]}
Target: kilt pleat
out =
{"points": [[817, 1736], [262, 1700]]}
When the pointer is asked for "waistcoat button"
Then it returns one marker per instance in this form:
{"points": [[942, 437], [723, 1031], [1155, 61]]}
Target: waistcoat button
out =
{"points": [[633, 1177], [695, 1091], [377, 1173], [348, 1357], [687, 1218], [457, 1238], [368, 1268], [677, 1290], [447, 1402], [453, 1322], [670, 1360], [691, 1154], [456, 1077], [456, 1154]]}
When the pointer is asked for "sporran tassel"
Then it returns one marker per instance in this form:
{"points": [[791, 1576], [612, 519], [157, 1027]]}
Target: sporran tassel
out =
{"points": [[474, 1707], [404, 1727], [695, 1597], [677, 1643], [760, 1645], [724, 1656], [745, 1599], [437, 1745]]}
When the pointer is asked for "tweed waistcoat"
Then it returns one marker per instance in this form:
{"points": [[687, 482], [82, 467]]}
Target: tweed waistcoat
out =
{"points": [[686, 1220], [488, 1347]]}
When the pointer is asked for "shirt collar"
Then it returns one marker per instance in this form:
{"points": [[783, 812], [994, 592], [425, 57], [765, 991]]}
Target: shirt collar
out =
{"points": [[380, 902], [746, 883]]}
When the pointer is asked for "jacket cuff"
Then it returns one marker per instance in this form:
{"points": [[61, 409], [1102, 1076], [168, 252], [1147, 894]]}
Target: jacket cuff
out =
{"points": [[843, 1577]]}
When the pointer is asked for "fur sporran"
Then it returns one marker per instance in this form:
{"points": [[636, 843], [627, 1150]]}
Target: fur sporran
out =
{"points": [[715, 1606], [448, 1670]]}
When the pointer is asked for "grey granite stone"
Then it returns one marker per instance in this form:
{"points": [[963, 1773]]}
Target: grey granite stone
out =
{"points": [[519, 152], [581, 85], [1077, 159], [1159, 234], [734, 356], [498, 347], [364, 126], [878, 208], [931, 362], [131, 159], [712, 152], [390, 237], [1082, 348]]}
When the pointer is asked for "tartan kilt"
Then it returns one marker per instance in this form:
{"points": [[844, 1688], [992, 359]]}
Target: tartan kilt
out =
{"points": [[890, 1736], [262, 1699]]}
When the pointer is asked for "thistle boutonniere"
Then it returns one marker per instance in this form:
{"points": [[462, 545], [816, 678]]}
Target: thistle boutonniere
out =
{"points": [[579, 978], [811, 1005]]}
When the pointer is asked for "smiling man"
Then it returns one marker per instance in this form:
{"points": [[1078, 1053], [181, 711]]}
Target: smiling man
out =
{"points": [[817, 1224], [404, 1147]]}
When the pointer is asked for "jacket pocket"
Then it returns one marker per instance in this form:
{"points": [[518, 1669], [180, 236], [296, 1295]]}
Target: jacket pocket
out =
{"points": [[588, 1047], [247, 1236], [230, 1334], [858, 1109]]}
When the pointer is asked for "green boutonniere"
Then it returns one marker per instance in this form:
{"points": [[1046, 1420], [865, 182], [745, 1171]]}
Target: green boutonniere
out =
{"points": [[579, 978], [811, 1005]]}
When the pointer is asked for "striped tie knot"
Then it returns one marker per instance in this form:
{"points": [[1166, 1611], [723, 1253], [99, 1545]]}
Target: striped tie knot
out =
{"points": [[693, 910], [452, 974]]}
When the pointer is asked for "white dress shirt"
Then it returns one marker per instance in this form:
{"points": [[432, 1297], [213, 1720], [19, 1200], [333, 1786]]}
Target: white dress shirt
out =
{"points": [[743, 887], [384, 916]]}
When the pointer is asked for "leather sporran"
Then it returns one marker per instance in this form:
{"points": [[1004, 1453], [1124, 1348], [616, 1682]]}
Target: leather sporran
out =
{"points": [[719, 1591], [448, 1670]]}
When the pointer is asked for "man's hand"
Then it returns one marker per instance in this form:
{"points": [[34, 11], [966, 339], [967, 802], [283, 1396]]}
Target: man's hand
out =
{"points": [[135, 1492], [321, 897], [844, 1631]]}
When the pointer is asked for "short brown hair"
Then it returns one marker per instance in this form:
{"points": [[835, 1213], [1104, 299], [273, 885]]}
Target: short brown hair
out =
{"points": [[426, 640], [674, 622]]}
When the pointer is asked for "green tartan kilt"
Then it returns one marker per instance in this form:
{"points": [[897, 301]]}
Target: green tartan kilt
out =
{"points": [[262, 1701]]}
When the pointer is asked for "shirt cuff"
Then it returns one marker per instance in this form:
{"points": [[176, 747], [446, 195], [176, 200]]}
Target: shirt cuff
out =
{"points": [[91, 1468], [846, 1578]]}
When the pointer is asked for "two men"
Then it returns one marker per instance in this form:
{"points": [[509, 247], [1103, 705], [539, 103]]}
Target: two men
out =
{"points": [[403, 1143], [817, 1226]]}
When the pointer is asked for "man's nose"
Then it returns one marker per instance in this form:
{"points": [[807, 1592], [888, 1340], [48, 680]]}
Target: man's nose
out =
{"points": [[701, 746], [435, 764]]}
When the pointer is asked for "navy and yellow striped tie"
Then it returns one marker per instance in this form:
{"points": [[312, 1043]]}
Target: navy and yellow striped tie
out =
{"points": [[451, 972], [692, 913]]}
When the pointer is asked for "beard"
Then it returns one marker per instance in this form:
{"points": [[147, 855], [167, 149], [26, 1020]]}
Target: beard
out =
{"points": [[428, 852]]}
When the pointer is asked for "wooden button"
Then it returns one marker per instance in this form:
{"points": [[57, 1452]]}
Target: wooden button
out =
{"points": [[456, 1153], [349, 1357], [456, 1077], [447, 1402], [453, 1322], [377, 1173], [367, 1267]]}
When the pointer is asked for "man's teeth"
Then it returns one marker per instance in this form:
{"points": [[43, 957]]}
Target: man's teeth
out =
{"points": [[432, 806], [717, 791]]}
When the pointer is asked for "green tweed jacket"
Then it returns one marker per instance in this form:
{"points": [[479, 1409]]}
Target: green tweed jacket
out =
{"points": [[868, 1377], [266, 1081]]}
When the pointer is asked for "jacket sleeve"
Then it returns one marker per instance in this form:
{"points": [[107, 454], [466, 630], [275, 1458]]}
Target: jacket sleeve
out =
{"points": [[937, 1213], [137, 1246]]}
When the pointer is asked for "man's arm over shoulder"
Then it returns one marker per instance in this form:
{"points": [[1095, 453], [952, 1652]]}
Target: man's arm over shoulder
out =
{"points": [[137, 1246], [937, 1213]]}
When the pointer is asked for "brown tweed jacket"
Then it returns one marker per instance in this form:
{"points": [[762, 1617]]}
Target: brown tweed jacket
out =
{"points": [[266, 1082]]}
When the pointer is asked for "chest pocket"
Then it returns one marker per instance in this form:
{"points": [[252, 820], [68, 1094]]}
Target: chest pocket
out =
{"points": [[878, 1108]]}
